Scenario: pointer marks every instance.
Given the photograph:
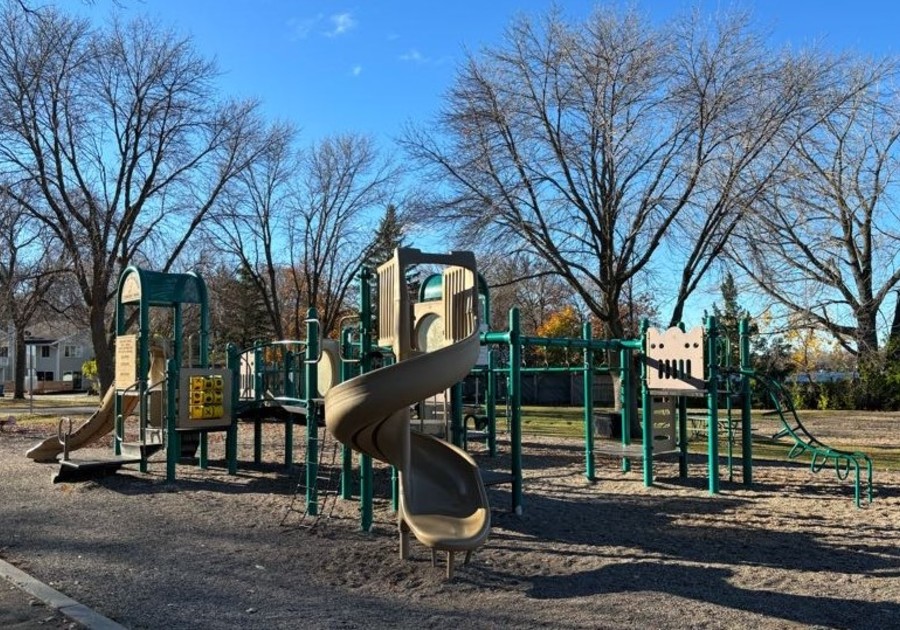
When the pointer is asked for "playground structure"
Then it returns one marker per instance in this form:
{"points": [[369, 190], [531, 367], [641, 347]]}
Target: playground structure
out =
{"points": [[174, 406], [674, 365], [174, 401]]}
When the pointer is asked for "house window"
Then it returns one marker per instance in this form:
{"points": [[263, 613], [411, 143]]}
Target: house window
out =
{"points": [[72, 351], [45, 352], [44, 376]]}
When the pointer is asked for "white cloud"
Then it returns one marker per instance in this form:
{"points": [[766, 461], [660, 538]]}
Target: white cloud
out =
{"points": [[302, 27], [341, 23], [356, 71], [414, 56]]}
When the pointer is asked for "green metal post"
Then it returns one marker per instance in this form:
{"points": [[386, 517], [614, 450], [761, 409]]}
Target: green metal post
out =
{"points": [[258, 368], [515, 405], [712, 399], [346, 451], [682, 438], [312, 427], [204, 450], [646, 411], [120, 421], [491, 402], [172, 379], [204, 362], [143, 368], [289, 430], [457, 427], [366, 495], [234, 364], [682, 431], [746, 421], [173, 448], [729, 427], [258, 387], [625, 399], [120, 426], [588, 404]]}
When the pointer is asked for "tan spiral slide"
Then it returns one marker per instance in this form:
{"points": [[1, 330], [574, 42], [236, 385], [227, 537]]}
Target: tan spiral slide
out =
{"points": [[443, 502]]}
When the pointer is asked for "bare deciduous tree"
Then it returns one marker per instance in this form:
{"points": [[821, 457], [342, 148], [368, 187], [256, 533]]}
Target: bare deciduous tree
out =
{"points": [[520, 281], [122, 133], [28, 270], [586, 144], [251, 225], [824, 244], [342, 179]]}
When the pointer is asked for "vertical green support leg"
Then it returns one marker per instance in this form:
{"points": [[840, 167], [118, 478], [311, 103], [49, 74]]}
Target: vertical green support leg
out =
{"points": [[646, 412], [288, 444], [231, 437], [682, 438], [712, 401], [515, 404], [259, 367], [120, 428], [588, 403], [173, 446], [312, 428], [491, 402], [366, 495], [257, 441], [457, 427], [395, 490], [287, 373], [346, 451], [626, 402], [204, 450], [346, 472], [746, 400]]}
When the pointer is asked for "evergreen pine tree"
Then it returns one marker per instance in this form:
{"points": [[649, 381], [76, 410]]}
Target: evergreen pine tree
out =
{"points": [[729, 319], [388, 237]]}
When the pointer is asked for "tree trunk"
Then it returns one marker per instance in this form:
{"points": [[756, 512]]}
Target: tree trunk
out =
{"points": [[866, 335], [21, 366], [102, 351]]}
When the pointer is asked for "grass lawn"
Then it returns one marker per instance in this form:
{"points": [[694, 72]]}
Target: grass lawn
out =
{"points": [[877, 434], [854, 431]]}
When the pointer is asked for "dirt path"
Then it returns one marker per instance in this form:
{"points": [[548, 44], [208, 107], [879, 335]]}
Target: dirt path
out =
{"points": [[209, 550]]}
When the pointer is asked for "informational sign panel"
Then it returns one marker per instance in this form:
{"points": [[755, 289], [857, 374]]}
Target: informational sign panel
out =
{"points": [[126, 361]]}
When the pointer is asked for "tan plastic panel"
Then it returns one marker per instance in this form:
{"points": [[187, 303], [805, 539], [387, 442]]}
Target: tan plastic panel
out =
{"points": [[675, 360]]}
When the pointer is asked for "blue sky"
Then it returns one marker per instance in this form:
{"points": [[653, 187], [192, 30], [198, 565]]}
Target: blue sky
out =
{"points": [[333, 66]]}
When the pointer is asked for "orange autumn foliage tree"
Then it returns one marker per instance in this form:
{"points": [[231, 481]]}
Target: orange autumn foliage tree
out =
{"points": [[565, 322]]}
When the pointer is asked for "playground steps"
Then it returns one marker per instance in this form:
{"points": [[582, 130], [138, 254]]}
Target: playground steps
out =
{"points": [[139, 450]]}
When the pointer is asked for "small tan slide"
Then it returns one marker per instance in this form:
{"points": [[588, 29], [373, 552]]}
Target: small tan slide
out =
{"points": [[104, 419], [98, 425], [443, 501]]}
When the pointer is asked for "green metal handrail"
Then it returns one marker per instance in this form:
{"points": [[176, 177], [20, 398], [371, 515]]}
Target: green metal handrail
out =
{"points": [[805, 442]]}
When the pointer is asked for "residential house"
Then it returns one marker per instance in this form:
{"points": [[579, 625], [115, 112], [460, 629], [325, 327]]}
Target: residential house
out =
{"points": [[55, 352]]}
